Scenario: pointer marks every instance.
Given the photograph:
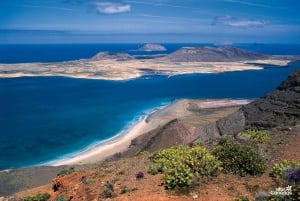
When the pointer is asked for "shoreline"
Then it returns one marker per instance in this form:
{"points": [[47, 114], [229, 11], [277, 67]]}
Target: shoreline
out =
{"points": [[127, 70], [103, 149], [107, 148], [154, 118]]}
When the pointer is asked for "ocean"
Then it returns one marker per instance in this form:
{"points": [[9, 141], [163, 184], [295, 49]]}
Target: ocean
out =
{"points": [[46, 118]]}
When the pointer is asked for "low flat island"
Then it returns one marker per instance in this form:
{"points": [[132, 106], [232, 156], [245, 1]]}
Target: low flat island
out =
{"points": [[122, 66]]}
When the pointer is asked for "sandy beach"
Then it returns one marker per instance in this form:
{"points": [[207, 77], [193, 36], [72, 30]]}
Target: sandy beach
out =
{"points": [[154, 119]]}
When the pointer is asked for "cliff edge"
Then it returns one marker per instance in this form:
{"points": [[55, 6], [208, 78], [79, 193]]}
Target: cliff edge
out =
{"points": [[281, 108]]}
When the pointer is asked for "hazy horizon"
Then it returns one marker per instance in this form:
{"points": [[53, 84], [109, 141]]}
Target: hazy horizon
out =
{"points": [[158, 21]]}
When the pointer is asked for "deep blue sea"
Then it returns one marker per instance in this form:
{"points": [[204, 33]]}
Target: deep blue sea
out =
{"points": [[46, 118]]}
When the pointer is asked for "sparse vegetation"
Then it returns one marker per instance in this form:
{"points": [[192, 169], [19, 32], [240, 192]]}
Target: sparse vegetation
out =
{"points": [[144, 153], [238, 158], [66, 171], [61, 198], [256, 136], [124, 189], [242, 198], [181, 164], [109, 191], [38, 197]]}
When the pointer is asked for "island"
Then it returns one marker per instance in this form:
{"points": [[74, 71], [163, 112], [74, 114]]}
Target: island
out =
{"points": [[149, 47], [122, 66]]}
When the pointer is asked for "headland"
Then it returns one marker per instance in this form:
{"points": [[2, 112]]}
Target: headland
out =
{"points": [[184, 109]]}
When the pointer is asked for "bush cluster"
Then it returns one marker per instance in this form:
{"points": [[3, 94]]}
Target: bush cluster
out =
{"points": [[38, 197], [280, 168], [256, 136], [286, 172], [67, 171], [181, 164], [239, 159]]}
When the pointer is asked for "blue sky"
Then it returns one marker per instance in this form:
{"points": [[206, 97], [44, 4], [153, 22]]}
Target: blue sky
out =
{"points": [[164, 21]]}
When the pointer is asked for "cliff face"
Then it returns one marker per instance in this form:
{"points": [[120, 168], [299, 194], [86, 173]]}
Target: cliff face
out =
{"points": [[211, 54], [279, 108], [173, 133]]}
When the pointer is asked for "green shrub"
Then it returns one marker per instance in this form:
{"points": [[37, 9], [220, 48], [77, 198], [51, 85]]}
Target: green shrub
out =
{"points": [[66, 171], [144, 153], [179, 175], [61, 198], [259, 137], [279, 168], [242, 198], [109, 191], [38, 197], [181, 164], [124, 189], [239, 159]]}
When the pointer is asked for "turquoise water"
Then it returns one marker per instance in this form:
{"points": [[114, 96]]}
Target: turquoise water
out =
{"points": [[46, 118]]}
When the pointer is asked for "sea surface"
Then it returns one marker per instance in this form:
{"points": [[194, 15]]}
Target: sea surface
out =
{"points": [[47, 118]]}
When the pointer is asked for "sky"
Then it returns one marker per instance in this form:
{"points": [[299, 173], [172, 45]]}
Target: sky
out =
{"points": [[146, 21]]}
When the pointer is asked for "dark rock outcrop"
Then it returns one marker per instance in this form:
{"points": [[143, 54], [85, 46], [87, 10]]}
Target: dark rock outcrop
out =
{"points": [[173, 133], [281, 108], [211, 54], [109, 55], [231, 124], [176, 133]]}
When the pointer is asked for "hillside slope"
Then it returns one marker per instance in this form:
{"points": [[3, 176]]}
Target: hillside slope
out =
{"points": [[211, 54]]}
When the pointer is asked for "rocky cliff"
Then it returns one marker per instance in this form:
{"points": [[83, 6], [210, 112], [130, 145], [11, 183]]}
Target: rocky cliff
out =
{"points": [[281, 108]]}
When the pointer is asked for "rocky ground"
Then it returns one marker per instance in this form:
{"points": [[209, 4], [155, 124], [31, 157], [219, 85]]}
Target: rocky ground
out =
{"points": [[88, 184]]}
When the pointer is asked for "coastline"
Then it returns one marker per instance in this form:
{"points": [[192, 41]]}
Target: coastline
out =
{"points": [[104, 149], [153, 119], [126, 70]]}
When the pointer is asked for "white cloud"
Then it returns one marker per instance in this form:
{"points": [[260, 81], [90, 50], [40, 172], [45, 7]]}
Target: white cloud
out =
{"points": [[239, 22], [112, 8]]}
